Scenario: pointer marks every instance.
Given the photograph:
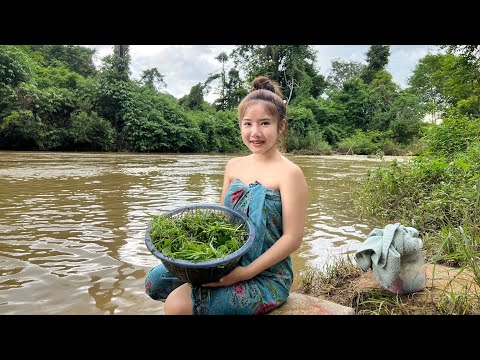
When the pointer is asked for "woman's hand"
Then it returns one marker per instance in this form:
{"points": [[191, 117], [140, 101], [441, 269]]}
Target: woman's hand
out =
{"points": [[238, 274]]}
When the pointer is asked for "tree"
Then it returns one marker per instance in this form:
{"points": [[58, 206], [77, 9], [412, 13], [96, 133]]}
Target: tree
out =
{"points": [[76, 58], [343, 71], [355, 102], [382, 92], [406, 115], [153, 79], [235, 90], [426, 82], [291, 66], [120, 62], [444, 81], [470, 55], [194, 100], [377, 59], [114, 97], [470, 52], [15, 66], [120, 50], [223, 58]]}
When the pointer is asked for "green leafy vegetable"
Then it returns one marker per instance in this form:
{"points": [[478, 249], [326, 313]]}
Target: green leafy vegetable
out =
{"points": [[197, 236]]}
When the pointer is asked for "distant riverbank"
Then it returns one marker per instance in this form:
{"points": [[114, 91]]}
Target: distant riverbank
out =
{"points": [[364, 157]]}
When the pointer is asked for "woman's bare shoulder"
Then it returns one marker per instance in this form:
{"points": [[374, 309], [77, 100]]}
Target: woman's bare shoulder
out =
{"points": [[290, 167], [292, 175], [236, 161]]}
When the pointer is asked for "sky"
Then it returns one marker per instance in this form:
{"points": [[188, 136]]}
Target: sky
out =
{"points": [[184, 66]]}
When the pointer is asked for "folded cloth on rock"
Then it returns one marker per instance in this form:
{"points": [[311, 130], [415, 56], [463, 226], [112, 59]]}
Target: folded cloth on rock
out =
{"points": [[390, 253]]}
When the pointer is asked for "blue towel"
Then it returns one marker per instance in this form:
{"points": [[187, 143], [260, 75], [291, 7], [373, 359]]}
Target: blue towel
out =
{"points": [[385, 251]]}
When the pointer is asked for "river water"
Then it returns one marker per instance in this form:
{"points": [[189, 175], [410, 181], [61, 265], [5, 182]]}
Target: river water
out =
{"points": [[72, 225]]}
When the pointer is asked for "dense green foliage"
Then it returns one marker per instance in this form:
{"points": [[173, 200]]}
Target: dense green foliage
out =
{"points": [[438, 192], [53, 98]]}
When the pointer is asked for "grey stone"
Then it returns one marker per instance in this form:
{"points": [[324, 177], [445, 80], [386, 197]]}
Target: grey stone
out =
{"points": [[301, 304]]}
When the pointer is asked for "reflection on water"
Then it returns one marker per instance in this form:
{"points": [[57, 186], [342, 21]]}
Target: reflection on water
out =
{"points": [[72, 225]]}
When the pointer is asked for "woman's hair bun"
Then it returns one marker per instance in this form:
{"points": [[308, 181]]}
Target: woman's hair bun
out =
{"points": [[263, 82]]}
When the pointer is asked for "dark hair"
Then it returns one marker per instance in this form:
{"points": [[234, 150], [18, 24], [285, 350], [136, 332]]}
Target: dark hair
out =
{"points": [[269, 92]]}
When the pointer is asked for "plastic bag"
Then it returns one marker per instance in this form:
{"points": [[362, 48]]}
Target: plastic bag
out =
{"points": [[394, 254], [412, 274]]}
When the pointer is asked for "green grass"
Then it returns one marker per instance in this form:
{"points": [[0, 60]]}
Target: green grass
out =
{"points": [[339, 282]]}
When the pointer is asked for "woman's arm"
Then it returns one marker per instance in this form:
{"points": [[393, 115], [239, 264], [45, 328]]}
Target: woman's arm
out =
{"points": [[226, 180]]}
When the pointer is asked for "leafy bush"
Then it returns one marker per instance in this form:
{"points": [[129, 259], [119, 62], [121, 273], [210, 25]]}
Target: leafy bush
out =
{"points": [[452, 136], [423, 193]]}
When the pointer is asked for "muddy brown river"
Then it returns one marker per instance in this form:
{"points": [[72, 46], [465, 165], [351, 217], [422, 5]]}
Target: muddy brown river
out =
{"points": [[72, 225]]}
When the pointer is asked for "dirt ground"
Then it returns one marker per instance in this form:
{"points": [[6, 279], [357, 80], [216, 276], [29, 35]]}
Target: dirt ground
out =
{"points": [[440, 281]]}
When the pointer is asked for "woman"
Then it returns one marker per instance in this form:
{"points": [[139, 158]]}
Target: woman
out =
{"points": [[272, 191]]}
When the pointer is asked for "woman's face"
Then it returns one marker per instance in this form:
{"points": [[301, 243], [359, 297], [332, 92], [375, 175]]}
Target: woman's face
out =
{"points": [[259, 129]]}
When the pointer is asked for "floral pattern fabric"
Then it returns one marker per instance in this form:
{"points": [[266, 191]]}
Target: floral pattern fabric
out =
{"points": [[259, 295], [270, 288]]}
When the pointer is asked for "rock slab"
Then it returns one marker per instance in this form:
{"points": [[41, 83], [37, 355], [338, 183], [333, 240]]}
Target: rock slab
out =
{"points": [[301, 304]]}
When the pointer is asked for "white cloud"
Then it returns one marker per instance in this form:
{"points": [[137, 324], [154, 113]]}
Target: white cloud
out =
{"points": [[402, 60], [326, 53], [184, 66]]}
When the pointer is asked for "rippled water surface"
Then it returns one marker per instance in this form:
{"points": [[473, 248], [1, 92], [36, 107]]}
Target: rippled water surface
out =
{"points": [[72, 225]]}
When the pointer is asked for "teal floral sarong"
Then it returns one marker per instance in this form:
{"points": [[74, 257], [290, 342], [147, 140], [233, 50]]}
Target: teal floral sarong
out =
{"points": [[264, 292]]}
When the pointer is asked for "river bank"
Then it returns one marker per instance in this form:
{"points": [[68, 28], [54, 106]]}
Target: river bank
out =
{"points": [[448, 291], [363, 157]]}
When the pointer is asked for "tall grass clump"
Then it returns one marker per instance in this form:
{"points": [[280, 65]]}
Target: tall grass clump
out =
{"points": [[329, 278], [380, 302], [424, 193], [460, 247]]}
